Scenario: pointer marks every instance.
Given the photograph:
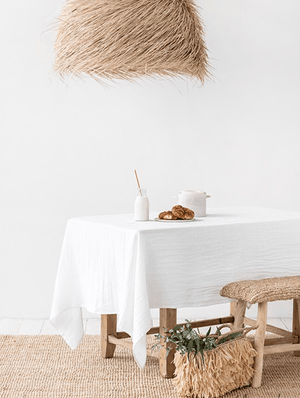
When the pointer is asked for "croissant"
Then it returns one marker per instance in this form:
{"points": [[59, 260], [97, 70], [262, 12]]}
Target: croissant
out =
{"points": [[169, 216], [162, 214], [178, 211], [188, 214]]}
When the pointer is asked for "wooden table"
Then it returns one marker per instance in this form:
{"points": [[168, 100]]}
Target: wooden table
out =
{"points": [[114, 265]]}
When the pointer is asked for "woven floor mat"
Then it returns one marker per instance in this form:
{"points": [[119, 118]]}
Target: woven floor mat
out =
{"points": [[45, 367]]}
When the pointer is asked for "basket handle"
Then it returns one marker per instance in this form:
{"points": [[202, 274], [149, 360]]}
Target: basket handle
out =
{"points": [[226, 325], [244, 331]]}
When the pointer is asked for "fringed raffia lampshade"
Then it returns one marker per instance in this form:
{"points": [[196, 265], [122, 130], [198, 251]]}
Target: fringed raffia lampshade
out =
{"points": [[126, 39]]}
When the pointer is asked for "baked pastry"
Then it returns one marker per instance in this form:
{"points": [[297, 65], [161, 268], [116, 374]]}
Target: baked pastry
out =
{"points": [[178, 211], [188, 214], [169, 216], [162, 214]]}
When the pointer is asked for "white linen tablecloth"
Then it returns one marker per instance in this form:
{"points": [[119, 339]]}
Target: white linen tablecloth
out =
{"points": [[115, 265]]}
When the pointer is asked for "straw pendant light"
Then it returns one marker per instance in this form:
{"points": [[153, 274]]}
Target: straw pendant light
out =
{"points": [[127, 39]]}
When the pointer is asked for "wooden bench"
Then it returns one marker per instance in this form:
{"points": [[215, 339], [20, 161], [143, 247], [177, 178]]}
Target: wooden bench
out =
{"points": [[263, 291]]}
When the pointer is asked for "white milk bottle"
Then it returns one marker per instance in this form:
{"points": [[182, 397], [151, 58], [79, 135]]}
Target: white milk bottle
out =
{"points": [[141, 206]]}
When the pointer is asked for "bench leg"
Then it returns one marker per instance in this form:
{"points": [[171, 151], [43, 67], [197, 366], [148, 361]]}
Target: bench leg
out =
{"points": [[108, 327], [259, 342], [239, 314], [296, 323], [167, 320], [233, 306]]}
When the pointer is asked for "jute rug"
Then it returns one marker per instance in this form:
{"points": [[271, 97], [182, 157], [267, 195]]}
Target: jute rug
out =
{"points": [[45, 367]]}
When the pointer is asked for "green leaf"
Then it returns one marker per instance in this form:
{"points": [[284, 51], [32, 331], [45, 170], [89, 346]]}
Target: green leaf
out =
{"points": [[202, 355], [190, 347], [235, 335], [197, 346], [155, 346], [230, 337], [177, 327], [188, 325], [168, 349], [208, 332], [185, 333]]}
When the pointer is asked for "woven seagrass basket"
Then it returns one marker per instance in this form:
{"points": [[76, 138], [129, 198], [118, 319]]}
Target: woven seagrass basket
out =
{"points": [[226, 368]]}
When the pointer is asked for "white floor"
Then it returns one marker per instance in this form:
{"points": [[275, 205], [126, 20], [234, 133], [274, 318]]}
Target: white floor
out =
{"points": [[91, 326]]}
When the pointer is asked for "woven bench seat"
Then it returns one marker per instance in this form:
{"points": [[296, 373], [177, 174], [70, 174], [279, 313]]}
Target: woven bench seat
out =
{"points": [[262, 292], [258, 291]]}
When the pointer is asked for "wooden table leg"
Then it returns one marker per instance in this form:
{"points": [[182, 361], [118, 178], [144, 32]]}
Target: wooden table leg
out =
{"points": [[108, 327], [296, 323], [168, 319]]}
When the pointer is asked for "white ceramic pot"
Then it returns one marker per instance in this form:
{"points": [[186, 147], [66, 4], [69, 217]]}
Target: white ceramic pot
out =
{"points": [[194, 200]]}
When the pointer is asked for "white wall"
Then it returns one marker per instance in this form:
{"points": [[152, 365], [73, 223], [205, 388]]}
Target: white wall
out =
{"points": [[69, 149]]}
